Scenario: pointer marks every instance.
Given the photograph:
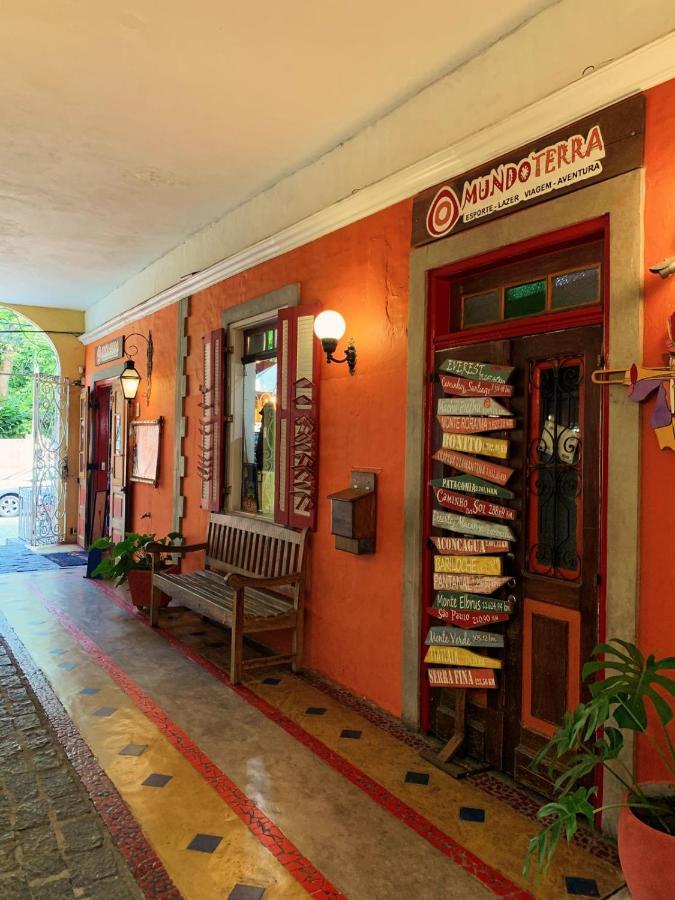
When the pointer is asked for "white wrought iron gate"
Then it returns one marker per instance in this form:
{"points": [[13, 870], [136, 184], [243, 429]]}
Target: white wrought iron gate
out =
{"points": [[43, 507]]}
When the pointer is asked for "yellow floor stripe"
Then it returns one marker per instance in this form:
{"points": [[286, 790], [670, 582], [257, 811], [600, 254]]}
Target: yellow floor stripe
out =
{"points": [[169, 816]]}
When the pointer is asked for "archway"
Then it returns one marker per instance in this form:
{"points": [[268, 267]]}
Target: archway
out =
{"points": [[33, 423]]}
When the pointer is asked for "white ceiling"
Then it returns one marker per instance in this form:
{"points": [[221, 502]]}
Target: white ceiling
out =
{"points": [[127, 126]]}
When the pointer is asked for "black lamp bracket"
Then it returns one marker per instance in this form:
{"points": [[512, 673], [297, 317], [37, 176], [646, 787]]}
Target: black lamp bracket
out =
{"points": [[330, 346]]}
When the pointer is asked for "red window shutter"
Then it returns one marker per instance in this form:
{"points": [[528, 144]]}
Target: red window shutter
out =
{"points": [[212, 421], [297, 439]]}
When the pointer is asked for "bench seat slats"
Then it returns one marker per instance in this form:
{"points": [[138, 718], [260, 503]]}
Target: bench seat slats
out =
{"points": [[254, 548]]}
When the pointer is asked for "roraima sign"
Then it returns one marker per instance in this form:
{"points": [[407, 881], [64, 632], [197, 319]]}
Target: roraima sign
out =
{"points": [[599, 147]]}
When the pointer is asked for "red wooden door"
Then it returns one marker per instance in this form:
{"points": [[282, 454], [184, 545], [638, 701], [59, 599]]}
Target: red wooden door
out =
{"points": [[83, 467]]}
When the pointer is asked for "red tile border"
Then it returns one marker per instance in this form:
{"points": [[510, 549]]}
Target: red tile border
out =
{"points": [[499, 884], [144, 864], [262, 828]]}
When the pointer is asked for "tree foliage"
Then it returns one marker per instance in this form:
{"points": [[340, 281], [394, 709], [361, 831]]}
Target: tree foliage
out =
{"points": [[22, 352]]}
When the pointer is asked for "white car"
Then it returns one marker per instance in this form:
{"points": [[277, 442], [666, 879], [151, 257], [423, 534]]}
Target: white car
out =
{"points": [[9, 493]]}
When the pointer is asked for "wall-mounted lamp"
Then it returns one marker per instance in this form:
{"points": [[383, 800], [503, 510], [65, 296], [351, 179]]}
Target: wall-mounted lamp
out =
{"points": [[130, 378], [329, 327]]}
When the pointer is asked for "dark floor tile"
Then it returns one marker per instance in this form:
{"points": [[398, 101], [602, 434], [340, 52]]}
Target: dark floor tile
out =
{"points": [[89, 691], [157, 780], [417, 778], [205, 843], [133, 750], [104, 711], [246, 892], [315, 710], [471, 814], [69, 666], [349, 733], [272, 681], [581, 887]]}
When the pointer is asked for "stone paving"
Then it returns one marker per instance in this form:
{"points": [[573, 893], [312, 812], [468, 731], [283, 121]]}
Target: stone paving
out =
{"points": [[53, 843]]}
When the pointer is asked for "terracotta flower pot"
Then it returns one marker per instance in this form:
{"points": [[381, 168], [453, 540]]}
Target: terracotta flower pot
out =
{"points": [[647, 855], [140, 587]]}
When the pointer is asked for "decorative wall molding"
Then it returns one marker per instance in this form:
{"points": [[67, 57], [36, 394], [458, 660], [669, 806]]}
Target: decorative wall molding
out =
{"points": [[180, 393], [643, 68]]}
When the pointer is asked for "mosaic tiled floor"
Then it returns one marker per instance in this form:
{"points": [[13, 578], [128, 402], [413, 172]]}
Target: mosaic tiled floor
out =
{"points": [[284, 785]]}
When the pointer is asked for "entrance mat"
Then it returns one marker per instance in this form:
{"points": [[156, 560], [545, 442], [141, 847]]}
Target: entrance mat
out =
{"points": [[18, 558], [67, 558]]}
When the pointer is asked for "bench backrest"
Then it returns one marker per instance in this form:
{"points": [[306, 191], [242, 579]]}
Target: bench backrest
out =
{"points": [[252, 546]]}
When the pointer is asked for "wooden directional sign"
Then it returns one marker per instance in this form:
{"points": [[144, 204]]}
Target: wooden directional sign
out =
{"points": [[472, 506], [472, 466], [477, 584], [467, 525], [462, 678], [470, 565], [463, 387], [466, 406], [459, 600], [458, 656], [467, 619], [445, 636], [469, 484], [475, 424], [481, 371], [476, 443], [462, 546]]}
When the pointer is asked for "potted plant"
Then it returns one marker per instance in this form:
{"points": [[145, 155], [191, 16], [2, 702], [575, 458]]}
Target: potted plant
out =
{"points": [[592, 736], [130, 561]]}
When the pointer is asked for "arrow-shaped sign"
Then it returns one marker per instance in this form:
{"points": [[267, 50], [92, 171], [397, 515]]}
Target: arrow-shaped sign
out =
{"points": [[458, 656], [462, 546], [446, 636], [477, 584], [463, 387], [471, 506], [462, 601], [462, 678], [465, 406], [483, 371], [470, 565], [476, 443], [474, 466], [475, 424], [467, 525], [467, 619], [469, 484]]}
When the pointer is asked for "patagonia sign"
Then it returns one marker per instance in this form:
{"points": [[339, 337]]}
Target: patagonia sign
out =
{"points": [[599, 147]]}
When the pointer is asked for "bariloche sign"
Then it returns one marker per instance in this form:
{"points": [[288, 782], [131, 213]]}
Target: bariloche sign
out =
{"points": [[605, 144]]}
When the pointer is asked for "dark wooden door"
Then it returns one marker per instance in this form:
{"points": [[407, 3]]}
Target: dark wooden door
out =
{"points": [[118, 464], [556, 457]]}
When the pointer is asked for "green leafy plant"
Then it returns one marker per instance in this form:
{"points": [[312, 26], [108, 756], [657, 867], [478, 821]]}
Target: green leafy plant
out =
{"points": [[593, 735], [130, 553]]}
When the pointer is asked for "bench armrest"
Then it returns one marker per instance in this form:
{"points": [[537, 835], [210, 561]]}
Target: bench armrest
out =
{"points": [[244, 581], [180, 549]]}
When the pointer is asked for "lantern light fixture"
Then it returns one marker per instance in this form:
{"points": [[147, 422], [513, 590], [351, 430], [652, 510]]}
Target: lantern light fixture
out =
{"points": [[329, 327], [130, 379]]}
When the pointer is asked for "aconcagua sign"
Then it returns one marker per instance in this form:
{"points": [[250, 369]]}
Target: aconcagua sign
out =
{"points": [[598, 147]]}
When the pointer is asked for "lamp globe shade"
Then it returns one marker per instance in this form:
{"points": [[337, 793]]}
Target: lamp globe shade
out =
{"points": [[130, 379], [329, 325]]}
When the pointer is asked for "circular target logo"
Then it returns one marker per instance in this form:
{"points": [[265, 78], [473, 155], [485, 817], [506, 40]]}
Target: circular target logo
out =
{"points": [[443, 212]]}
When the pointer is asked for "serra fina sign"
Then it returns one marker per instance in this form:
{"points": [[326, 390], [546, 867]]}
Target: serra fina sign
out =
{"points": [[598, 147]]}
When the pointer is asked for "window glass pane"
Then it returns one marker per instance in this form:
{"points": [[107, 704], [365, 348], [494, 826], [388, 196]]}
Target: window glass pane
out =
{"points": [[554, 470], [525, 299], [260, 396], [575, 288], [480, 309]]}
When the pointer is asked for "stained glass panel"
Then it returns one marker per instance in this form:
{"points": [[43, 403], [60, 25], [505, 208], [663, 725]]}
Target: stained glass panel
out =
{"points": [[525, 299], [575, 288], [480, 309]]}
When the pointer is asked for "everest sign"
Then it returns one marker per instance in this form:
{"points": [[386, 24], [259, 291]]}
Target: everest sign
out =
{"points": [[602, 146]]}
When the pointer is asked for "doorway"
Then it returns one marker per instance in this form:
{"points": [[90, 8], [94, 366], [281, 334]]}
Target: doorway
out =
{"points": [[542, 314]]}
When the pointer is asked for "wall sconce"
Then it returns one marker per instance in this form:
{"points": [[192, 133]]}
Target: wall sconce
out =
{"points": [[664, 269], [329, 327], [130, 378]]}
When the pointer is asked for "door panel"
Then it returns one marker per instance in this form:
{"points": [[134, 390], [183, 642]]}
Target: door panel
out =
{"points": [[559, 552], [118, 463]]}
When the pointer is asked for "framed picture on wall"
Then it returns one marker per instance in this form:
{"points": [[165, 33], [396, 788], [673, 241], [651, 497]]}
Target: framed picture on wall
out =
{"points": [[145, 440]]}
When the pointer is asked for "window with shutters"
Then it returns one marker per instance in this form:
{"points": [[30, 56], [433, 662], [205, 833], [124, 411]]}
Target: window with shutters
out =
{"points": [[273, 431], [258, 404]]}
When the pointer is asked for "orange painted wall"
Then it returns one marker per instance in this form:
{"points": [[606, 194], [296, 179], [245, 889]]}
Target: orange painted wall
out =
{"points": [[657, 476], [354, 607], [150, 508]]}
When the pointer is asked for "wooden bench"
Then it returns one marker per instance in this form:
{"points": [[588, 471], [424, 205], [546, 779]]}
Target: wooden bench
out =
{"points": [[254, 581]]}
